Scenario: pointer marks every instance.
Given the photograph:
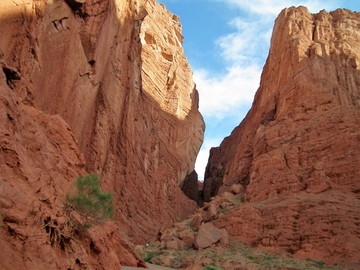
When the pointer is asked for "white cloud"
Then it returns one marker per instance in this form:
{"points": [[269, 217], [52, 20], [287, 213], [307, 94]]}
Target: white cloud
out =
{"points": [[223, 96], [273, 7], [243, 51], [257, 6], [203, 156], [238, 45]]}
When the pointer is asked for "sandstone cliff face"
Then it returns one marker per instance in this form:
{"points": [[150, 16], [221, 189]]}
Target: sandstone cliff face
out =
{"points": [[297, 152], [92, 86]]}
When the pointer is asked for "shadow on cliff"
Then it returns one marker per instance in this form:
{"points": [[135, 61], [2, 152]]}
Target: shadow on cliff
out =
{"points": [[91, 76]]}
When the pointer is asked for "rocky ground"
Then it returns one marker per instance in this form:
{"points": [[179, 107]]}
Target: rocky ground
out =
{"points": [[199, 243], [149, 265]]}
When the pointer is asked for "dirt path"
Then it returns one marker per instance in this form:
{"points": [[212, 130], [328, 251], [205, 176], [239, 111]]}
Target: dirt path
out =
{"points": [[151, 267]]}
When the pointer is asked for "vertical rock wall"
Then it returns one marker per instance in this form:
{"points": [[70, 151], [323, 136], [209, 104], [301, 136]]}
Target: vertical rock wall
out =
{"points": [[101, 87], [299, 145]]}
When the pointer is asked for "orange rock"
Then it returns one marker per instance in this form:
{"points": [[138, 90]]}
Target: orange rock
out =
{"points": [[300, 140], [175, 243], [224, 241], [92, 87], [207, 235], [237, 188], [224, 189], [196, 221], [187, 237], [211, 212]]}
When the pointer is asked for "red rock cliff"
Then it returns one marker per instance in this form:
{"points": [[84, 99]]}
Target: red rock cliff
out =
{"points": [[297, 152], [92, 86]]}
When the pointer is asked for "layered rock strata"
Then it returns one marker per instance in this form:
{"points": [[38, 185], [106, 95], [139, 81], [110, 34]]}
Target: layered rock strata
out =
{"points": [[297, 152], [92, 86]]}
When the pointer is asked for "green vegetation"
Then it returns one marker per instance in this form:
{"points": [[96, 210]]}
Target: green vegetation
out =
{"points": [[235, 202], [274, 261], [211, 267], [149, 256], [189, 225], [150, 251], [238, 200], [238, 254], [211, 254], [178, 257], [90, 201]]}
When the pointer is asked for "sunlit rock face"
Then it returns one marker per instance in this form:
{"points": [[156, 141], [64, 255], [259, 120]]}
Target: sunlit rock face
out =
{"points": [[101, 87], [297, 152]]}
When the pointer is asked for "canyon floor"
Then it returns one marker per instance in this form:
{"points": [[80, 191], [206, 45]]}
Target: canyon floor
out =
{"points": [[149, 265], [196, 244], [235, 257]]}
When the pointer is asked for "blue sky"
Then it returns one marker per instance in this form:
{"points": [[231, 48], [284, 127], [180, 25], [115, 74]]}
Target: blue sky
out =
{"points": [[226, 43]]}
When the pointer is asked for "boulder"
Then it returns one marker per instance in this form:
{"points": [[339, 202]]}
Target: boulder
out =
{"points": [[225, 238], [207, 235], [196, 221], [237, 188], [175, 243], [187, 237], [211, 212]]}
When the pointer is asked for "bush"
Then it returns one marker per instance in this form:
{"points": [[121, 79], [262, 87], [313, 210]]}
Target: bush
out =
{"points": [[90, 201], [150, 251], [149, 256], [211, 267]]}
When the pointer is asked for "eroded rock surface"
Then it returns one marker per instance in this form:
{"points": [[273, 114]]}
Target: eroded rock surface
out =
{"points": [[190, 186], [207, 235], [92, 86], [297, 152]]}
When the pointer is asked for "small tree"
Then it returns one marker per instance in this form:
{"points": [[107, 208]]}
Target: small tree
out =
{"points": [[90, 201]]}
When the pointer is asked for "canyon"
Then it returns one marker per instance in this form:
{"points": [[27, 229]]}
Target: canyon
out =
{"points": [[104, 87]]}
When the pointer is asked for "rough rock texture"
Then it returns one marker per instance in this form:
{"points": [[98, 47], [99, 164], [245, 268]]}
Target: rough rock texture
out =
{"points": [[92, 86], [190, 186], [297, 152], [212, 184], [207, 235], [38, 163]]}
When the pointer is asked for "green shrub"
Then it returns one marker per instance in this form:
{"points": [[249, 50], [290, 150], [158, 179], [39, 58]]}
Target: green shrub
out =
{"points": [[319, 263], [149, 256], [90, 201], [211, 267], [149, 252]]}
